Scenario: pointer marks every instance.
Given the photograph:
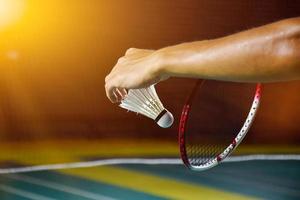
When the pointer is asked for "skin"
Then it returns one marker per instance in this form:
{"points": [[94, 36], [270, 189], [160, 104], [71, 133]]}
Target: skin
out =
{"points": [[269, 53]]}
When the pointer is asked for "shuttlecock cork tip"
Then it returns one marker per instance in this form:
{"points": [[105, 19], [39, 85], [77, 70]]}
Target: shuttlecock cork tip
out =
{"points": [[165, 119]]}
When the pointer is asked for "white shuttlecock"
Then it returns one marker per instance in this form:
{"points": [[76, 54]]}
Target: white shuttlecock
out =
{"points": [[146, 102]]}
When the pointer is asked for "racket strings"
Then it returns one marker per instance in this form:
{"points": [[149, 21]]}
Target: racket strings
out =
{"points": [[199, 155], [217, 115]]}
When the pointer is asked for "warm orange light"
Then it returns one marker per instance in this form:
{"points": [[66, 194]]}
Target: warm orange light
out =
{"points": [[10, 11]]}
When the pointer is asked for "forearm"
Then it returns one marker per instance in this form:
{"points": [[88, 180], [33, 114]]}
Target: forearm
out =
{"points": [[264, 54]]}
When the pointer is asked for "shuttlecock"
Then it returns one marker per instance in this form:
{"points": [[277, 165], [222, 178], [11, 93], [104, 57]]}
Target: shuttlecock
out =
{"points": [[146, 102]]}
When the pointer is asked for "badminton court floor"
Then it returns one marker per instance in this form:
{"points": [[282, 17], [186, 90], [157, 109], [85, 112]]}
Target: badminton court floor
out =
{"points": [[276, 180]]}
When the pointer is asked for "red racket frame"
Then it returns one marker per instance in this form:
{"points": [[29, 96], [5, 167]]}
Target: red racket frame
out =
{"points": [[236, 141]]}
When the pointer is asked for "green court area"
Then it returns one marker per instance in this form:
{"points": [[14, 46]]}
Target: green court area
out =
{"points": [[256, 179], [247, 180]]}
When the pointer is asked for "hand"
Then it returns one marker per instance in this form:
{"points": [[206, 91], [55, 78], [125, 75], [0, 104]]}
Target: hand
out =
{"points": [[139, 68]]}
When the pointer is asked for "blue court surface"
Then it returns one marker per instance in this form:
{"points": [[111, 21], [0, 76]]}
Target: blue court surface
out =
{"points": [[232, 180]]}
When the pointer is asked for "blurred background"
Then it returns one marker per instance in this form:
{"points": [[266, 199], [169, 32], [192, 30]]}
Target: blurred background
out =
{"points": [[54, 56]]}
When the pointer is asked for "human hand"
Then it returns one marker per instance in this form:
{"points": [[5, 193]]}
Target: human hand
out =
{"points": [[138, 68]]}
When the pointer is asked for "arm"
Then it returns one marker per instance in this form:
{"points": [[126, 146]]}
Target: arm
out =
{"points": [[265, 54]]}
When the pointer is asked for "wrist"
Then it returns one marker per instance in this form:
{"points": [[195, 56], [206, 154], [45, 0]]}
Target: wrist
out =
{"points": [[164, 58], [160, 64]]}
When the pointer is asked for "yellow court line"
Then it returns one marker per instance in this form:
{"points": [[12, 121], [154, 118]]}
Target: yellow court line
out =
{"points": [[152, 184], [52, 152], [57, 150]]}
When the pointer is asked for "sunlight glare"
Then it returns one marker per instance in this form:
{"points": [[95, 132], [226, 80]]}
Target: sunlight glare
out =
{"points": [[10, 11]]}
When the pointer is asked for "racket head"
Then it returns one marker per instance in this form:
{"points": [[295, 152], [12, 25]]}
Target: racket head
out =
{"points": [[214, 121]]}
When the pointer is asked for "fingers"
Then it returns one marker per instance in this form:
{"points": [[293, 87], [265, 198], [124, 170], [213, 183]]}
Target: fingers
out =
{"points": [[120, 94], [117, 94], [118, 78], [110, 93], [114, 94], [123, 92]]}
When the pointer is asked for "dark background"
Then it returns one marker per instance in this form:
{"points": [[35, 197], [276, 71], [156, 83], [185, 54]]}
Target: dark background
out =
{"points": [[54, 58]]}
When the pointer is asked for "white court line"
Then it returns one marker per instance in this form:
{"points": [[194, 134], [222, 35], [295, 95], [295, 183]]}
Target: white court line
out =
{"points": [[262, 157], [145, 161], [23, 193], [60, 187]]}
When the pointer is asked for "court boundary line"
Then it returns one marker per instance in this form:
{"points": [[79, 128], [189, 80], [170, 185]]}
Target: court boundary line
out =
{"points": [[144, 161]]}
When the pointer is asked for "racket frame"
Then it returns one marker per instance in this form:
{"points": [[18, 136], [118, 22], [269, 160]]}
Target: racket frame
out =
{"points": [[236, 141]]}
